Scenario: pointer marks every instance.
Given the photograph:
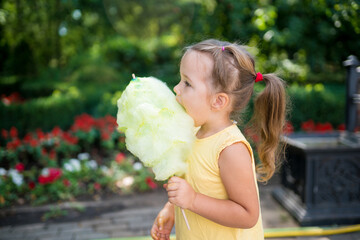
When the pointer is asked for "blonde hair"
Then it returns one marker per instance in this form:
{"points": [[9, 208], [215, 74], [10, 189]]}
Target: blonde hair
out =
{"points": [[234, 74]]}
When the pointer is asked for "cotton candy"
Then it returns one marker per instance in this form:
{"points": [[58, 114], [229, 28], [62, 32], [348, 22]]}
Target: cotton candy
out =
{"points": [[157, 129]]}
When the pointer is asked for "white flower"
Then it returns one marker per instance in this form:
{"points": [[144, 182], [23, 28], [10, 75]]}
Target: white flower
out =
{"points": [[68, 167], [45, 172], [2, 172], [128, 181], [18, 180], [76, 164], [73, 165], [137, 166], [104, 169], [92, 164], [16, 177], [83, 156]]}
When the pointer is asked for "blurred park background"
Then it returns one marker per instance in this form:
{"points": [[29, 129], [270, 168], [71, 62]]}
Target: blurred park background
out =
{"points": [[64, 63]]}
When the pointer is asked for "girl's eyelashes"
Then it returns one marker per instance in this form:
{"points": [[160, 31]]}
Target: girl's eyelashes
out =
{"points": [[187, 84]]}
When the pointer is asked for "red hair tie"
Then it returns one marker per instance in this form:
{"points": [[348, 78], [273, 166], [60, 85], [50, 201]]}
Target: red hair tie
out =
{"points": [[259, 77]]}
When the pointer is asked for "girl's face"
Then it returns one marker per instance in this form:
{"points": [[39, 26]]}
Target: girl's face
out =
{"points": [[193, 91]]}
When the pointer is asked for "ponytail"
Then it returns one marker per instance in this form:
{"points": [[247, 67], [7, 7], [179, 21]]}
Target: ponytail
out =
{"points": [[268, 122]]}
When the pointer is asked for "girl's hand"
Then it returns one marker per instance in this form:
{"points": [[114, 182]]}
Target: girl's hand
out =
{"points": [[180, 193], [163, 223]]}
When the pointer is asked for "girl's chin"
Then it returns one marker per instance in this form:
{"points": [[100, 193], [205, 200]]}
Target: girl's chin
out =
{"points": [[181, 105], [195, 123]]}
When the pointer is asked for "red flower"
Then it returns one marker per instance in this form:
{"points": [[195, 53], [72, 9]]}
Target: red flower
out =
{"points": [[149, 181], [52, 154], [28, 137], [105, 136], [97, 186], [17, 143], [56, 132], [4, 133], [308, 126], [66, 183], [101, 123], [83, 122], [33, 143], [40, 134], [341, 127], [120, 158], [255, 138], [110, 119], [20, 167], [31, 185], [5, 100], [288, 128], [12, 98], [324, 127], [53, 175], [110, 128], [43, 180], [43, 151], [13, 132], [249, 132], [69, 138], [13, 144]]}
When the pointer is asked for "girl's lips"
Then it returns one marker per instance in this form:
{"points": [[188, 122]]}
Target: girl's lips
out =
{"points": [[178, 100]]}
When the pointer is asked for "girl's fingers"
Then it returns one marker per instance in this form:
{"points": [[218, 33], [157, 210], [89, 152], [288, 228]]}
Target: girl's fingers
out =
{"points": [[173, 200], [163, 236], [172, 187], [153, 234], [174, 179], [172, 192]]}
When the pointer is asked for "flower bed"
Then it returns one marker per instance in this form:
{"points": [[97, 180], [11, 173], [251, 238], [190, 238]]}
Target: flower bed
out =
{"points": [[88, 159]]}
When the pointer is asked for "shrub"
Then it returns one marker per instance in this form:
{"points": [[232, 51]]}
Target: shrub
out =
{"points": [[322, 103], [56, 110], [317, 102]]}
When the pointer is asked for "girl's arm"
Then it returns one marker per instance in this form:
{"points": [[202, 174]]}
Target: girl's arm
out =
{"points": [[241, 210]]}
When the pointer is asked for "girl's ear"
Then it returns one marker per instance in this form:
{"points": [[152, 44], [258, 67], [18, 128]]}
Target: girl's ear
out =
{"points": [[220, 101]]}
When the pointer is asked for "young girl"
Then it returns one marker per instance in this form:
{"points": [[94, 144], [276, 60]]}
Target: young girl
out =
{"points": [[219, 193]]}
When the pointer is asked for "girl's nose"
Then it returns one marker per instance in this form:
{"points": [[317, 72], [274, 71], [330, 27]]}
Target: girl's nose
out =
{"points": [[176, 89]]}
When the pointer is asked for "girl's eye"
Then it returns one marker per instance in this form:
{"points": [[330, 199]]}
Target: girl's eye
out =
{"points": [[187, 84]]}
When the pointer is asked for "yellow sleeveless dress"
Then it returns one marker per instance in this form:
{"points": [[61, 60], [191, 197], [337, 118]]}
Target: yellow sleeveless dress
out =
{"points": [[204, 176]]}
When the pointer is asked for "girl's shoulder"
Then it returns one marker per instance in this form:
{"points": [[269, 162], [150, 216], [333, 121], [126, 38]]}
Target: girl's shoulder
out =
{"points": [[230, 136], [233, 133]]}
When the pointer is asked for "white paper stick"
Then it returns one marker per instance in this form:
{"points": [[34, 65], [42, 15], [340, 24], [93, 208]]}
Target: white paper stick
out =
{"points": [[186, 221]]}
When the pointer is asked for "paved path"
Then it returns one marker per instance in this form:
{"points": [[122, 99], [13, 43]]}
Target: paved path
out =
{"points": [[137, 218]]}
